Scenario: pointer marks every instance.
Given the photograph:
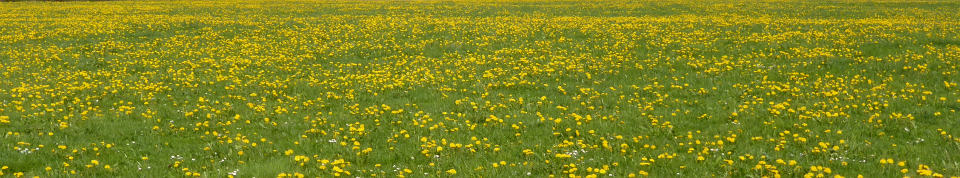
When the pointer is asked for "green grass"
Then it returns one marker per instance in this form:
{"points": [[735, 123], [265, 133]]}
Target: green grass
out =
{"points": [[215, 89]]}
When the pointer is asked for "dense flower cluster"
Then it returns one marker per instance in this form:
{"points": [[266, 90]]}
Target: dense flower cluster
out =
{"points": [[480, 88]]}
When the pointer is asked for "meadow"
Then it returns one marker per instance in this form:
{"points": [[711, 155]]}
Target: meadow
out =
{"points": [[490, 88]]}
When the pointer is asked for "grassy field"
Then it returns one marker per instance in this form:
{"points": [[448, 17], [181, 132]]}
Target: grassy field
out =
{"points": [[480, 89]]}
